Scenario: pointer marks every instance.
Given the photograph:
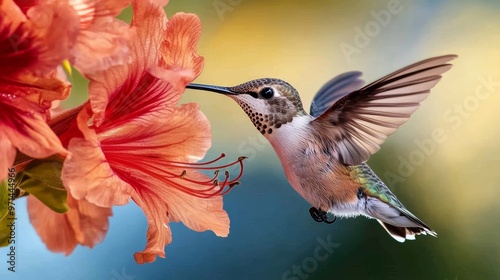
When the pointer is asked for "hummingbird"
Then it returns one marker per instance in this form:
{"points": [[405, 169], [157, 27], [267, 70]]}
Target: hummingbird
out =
{"points": [[324, 153]]}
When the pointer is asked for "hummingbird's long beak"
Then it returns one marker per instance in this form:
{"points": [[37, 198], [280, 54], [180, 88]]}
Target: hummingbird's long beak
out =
{"points": [[217, 89]]}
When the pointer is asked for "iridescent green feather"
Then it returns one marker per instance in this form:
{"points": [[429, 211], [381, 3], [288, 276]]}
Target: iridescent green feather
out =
{"points": [[372, 186]]}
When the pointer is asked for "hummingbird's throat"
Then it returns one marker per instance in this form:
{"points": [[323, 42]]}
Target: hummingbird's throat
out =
{"points": [[278, 113]]}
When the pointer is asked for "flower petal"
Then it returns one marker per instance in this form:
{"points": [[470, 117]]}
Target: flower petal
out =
{"points": [[103, 45], [89, 10], [56, 26], [121, 81], [39, 90], [53, 228], [179, 79], [24, 5], [158, 234], [198, 214], [90, 222], [19, 48], [88, 176], [160, 203], [39, 140], [103, 40], [161, 3], [186, 136], [139, 95], [179, 47], [26, 131], [84, 224], [152, 140], [8, 153], [150, 22]]}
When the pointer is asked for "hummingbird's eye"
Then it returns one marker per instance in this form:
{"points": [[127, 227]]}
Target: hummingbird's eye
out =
{"points": [[267, 93]]}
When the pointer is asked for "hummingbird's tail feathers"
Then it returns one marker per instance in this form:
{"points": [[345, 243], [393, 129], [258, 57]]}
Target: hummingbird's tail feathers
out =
{"points": [[405, 233], [397, 221]]}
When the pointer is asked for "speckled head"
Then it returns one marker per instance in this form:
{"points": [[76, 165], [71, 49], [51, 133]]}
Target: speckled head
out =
{"points": [[269, 103]]}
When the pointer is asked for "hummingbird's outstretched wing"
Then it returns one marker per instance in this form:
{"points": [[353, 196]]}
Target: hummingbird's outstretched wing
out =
{"points": [[360, 121], [335, 89]]}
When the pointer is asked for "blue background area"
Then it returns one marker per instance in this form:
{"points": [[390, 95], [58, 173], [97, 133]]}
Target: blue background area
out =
{"points": [[455, 190]]}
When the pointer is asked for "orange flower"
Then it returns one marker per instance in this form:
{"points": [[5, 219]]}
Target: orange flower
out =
{"points": [[35, 37], [84, 223], [29, 82], [98, 40], [103, 39], [132, 141]]}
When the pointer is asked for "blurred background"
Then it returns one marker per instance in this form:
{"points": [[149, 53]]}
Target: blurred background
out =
{"points": [[450, 181]]}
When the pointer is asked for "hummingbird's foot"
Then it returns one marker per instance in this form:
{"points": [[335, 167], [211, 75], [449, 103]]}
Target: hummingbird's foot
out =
{"points": [[320, 216]]}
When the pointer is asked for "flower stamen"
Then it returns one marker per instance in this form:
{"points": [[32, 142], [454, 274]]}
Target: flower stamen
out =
{"points": [[179, 163], [202, 188]]}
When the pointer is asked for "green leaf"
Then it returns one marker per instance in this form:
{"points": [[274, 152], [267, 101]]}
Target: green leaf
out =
{"points": [[42, 178], [7, 210]]}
